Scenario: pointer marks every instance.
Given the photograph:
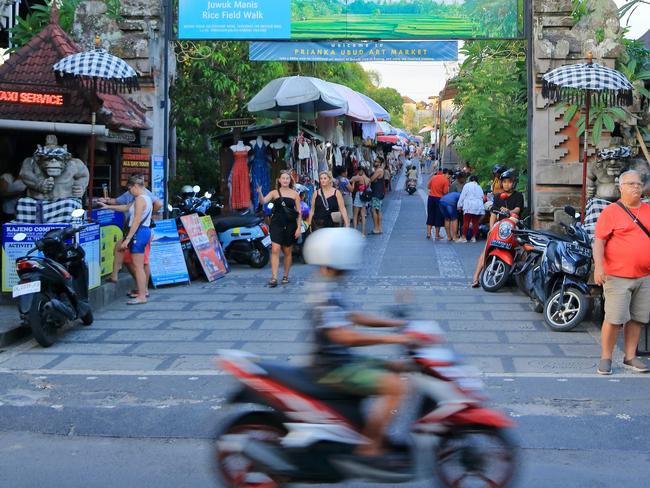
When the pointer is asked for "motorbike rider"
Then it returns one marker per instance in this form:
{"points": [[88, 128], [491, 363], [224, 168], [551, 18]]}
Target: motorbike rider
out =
{"points": [[513, 204], [337, 251]]}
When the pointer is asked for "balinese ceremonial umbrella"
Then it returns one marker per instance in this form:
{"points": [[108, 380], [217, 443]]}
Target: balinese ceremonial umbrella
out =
{"points": [[96, 71], [581, 84]]}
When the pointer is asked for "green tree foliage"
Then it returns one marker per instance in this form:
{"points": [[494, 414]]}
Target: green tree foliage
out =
{"points": [[491, 124], [214, 81], [38, 17]]}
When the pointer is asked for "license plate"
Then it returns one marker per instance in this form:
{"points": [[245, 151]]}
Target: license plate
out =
{"points": [[26, 289], [266, 241], [582, 251], [501, 245]]}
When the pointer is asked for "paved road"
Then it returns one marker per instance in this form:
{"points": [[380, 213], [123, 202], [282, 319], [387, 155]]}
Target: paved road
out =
{"points": [[134, 398]]}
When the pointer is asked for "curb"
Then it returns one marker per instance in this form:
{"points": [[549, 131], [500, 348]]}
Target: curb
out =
{"points": [[12, 331]]}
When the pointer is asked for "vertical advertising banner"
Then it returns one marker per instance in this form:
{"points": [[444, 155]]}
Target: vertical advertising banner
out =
{"points": [[234, 19], [135, 160], [166, 257], [213, 237], [12, 250], [158, 177], [111, 225], [202, 247]]}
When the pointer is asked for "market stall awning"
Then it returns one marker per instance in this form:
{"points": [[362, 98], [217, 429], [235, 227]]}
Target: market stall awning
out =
{"points": [[29, 90], [357, 107], [379, 111]]}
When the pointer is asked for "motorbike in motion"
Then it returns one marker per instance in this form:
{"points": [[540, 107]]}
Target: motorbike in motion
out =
{"points": [[53, 289], [411, 186], [284, 427], [559, 282]]}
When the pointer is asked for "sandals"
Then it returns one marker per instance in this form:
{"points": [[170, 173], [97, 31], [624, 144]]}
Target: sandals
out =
{"points": [[285, 280], [134, 294], [272, 283], [136, 302], [475, 284]]}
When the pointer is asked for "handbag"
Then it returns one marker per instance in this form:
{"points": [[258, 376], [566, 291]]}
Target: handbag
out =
{"points": [[335, 216], [635, 219], [290, 213], [366, 195]]}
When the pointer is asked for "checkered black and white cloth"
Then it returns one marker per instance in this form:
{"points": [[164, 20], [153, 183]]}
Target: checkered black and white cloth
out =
{"points": [[31, 211], [107, 72], [570, 83], [595, 207]]}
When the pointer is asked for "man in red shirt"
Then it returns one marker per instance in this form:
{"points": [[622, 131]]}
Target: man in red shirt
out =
{"points": [[438, 188], [622, 266]]}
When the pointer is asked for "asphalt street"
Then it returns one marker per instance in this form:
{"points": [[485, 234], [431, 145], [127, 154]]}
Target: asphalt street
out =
{"points": [[134, 399]]}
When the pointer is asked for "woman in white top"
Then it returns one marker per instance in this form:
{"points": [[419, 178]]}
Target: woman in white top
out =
{"points": [[472, 204], [11, 189], [138, 236]]}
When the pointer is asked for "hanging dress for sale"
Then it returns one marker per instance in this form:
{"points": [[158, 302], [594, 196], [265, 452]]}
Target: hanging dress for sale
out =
{"points": [[241, 187], [260, 172], [278, 162]]}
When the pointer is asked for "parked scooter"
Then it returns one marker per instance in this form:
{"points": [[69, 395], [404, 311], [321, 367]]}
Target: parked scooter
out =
{"points": [[532, 244], [244, 238], [284, 427], [53, 289], [500, 252], [560, 280]]}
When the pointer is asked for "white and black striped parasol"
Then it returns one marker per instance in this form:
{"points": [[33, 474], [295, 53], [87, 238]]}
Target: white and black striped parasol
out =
{"points": [[574, 82], [97, 70]]}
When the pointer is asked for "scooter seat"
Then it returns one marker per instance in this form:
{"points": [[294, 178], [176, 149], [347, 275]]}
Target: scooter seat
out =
{"points": [[303, 380], [223, 224]]}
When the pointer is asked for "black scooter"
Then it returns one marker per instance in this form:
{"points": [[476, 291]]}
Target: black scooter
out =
{"points": [[53, 289], [560, 280]]}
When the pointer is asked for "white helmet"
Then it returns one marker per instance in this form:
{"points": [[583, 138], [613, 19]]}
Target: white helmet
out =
{"points": [[335, 247], [187, 189]]}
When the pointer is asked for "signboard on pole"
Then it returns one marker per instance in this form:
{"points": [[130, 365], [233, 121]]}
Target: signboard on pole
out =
{"points": [[349, 20], [158, 177], [135, 160], [235, 123], [354, 51], [12, 250], [212, 265], [213, 237], [166, 259]]}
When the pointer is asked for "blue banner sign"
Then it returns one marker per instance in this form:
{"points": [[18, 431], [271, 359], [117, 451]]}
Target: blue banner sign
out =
{"points": [[166, 258], [234, 19], [354, 51]]}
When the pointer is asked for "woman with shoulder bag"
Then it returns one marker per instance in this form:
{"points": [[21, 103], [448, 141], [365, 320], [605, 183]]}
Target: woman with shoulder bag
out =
{"points": [[327, 206], [362, 197], [286, 223]]}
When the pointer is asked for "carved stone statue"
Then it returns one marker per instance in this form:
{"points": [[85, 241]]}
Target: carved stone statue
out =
{"points": [[53, 174], [602, 179]]}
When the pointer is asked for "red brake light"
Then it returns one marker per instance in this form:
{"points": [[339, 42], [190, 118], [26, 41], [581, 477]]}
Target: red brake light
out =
{"points": [[24, 265], [265, 229]]}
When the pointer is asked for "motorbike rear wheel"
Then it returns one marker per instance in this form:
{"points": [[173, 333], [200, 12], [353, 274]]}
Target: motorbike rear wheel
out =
{"points": [[562, 314], [43, 327], [476, 453], [260, 255], [495, 274], [233, 469]]}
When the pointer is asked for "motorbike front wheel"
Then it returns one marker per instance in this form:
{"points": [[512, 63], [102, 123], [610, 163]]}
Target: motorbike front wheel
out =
{"points": [[43, 327], [259, 255], [563, 313], [476, 456], [233, 468], [495, 274]]}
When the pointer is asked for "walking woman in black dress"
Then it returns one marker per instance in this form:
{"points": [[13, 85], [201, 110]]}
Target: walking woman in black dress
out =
{"points": [[286, 222], [327, 205]]}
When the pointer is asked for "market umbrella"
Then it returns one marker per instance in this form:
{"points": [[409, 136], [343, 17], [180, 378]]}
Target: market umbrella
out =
{"points": [[582, 84], [299, 94], [95, 71], [357, 108], [379, 111], [425, 129]]}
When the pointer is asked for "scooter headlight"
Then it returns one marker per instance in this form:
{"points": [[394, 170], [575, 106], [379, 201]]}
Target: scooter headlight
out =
{"points": [[505, 230], [568, 267]]}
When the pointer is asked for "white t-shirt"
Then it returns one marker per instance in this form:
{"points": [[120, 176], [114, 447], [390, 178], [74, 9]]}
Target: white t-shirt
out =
{"points": [[13, 185]]}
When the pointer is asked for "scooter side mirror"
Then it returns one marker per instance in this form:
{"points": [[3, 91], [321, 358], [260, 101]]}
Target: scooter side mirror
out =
{"points": [[207, 195], [169, 207], [78, 213], [21, 236], [196, 188]]}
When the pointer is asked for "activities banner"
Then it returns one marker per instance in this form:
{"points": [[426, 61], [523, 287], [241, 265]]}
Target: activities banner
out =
{"points": [[354, 51], [166, 257], [203, 247], [158, 177], [12, 250], [213, 237], [234, 19], [111, 225], [349, 19]]}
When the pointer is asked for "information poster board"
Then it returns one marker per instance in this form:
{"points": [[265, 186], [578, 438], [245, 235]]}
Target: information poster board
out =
{"points": [[349, 20], [203, 247], [111, 232], [158, 177], [213, 237], [166, 257], [12, 250], [135, 160]]}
